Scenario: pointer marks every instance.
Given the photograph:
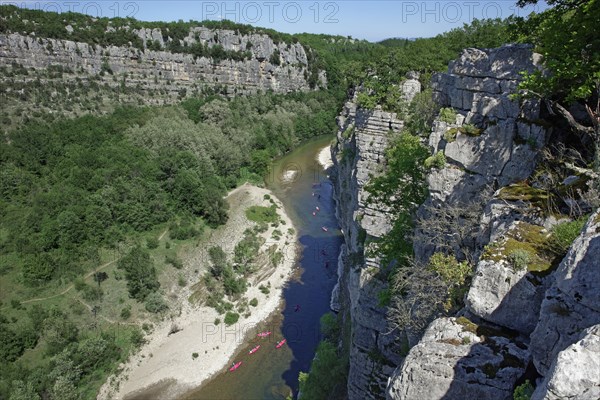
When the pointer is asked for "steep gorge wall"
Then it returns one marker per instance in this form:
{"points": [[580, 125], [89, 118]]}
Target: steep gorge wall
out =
{"points": [[514, 319], [360, 154], [517, 320], [158, 77]]}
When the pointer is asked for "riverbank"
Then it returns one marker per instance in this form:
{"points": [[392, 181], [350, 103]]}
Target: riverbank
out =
{"points": [[165, 366]]}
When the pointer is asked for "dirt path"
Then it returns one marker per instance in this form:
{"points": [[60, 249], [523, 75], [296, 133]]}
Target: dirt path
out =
{"points": [[100, 268], [65, 291]]}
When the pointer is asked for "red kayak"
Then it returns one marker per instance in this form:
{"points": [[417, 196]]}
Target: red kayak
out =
{"points": [[254, 350], [280, 344], [264, 334], [235, 366], [325, 229]]}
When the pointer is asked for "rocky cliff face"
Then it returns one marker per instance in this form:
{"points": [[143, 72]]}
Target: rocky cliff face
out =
{"points": [[148, 76], [516, 315], [359, 154]]}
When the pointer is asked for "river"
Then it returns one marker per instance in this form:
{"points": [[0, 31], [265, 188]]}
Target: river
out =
{"points": [[302, 184]]}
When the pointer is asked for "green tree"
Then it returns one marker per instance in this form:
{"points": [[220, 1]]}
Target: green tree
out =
{"points": [[566, 36], [23, 391], [139, 272]]}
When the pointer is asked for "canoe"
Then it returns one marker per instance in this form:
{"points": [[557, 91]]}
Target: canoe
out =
{"points": [[280, 344], [264, 334], [318, 209], [325, 229], [235, 366], [254, 350]]}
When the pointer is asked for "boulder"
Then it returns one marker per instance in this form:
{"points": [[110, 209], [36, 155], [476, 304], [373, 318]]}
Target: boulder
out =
{"points": [[575, 373], [453, 361], [572, 303]]}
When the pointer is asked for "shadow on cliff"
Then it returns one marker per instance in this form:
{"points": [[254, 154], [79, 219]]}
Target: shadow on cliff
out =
{"points": [[493, 368]]}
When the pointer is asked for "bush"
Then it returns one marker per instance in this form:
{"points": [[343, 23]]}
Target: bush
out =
{"points": [[92, 293], [254, 302], [563, 235], [448, 115], [155, 303], [519, 259], [384, 298], [217, 321], [174, 261], [450, 135], [470, 129], [194, 356], [152, 243], [126, 312], [451, 271], [231, 318], [524, 391], [330, 326], [264, 289], [438, 160]]}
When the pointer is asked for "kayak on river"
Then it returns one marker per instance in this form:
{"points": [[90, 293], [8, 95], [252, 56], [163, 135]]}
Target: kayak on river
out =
{"points": [[325, 229], [264, 334], [280, 344], [235, 366], [254, 350]]}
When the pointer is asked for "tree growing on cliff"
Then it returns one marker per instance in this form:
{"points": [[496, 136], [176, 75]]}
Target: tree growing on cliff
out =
{"points": [[566, 36]]}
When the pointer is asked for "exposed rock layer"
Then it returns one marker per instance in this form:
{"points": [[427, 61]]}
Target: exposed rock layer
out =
{"points": [[175, 73], [551, 317]]}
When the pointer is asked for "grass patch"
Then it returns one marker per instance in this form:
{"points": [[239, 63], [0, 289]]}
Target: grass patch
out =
{"points": [[262, 214], [525, 238], [524, 192]]}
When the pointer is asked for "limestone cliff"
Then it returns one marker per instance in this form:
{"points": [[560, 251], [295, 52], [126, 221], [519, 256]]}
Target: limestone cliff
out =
{"points": [[522, 314], [78, 76], [359, 154], [485, 204]]}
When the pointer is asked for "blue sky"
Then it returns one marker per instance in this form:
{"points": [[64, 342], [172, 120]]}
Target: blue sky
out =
{"points": [[371, 20]]}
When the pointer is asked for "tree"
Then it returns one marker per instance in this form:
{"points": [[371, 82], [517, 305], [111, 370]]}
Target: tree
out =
{"points": [[63, 389], [23, 391], [139, 272], [566, 37]]}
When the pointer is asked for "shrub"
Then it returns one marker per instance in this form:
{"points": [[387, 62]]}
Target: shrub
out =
{"points": [[450, 135], [126, 312], [264, 289], [194, 356], [384, 298], [519, 259], [438, 160], [152, 243], [524, 391], [448, 115], [563, 236], [217, 321], [174, 261], [155, 303], [470, 129], [231, 318], [92, 293], [254, 302], [181, 281], [451, 271]]}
